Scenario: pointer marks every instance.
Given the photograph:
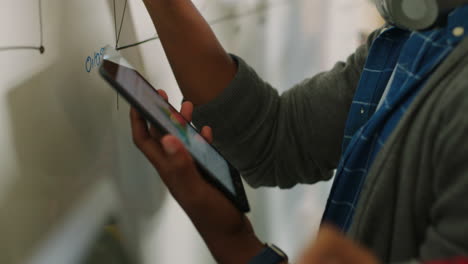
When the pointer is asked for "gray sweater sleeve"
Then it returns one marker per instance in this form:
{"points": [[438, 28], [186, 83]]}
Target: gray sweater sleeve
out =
{"points": [[283, 140]]}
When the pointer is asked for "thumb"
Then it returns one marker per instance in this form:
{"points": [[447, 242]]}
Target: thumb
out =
{"points": [[180, 175], [175, 151], [174, 148], [171, 145]]}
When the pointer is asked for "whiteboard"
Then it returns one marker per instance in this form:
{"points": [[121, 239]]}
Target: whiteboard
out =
{"points": [[63, 128], [64, 131]]}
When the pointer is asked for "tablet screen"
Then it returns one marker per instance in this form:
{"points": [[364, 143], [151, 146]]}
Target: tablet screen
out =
{"points": [[143, 93]]}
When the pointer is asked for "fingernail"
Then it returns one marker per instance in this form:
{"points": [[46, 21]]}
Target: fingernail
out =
{"points": [[169, 146]]}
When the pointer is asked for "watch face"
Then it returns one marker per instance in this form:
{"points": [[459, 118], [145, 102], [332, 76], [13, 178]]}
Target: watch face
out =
{"points": [[278, 251], [271, 254]]}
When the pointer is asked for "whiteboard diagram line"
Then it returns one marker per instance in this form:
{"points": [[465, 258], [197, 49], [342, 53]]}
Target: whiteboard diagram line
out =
{"points": [[20, 48], [137, 44], [121, 21], [258, 10], [115, 23], [116, 45], [255, 11], [41, 26], [41, 48]]}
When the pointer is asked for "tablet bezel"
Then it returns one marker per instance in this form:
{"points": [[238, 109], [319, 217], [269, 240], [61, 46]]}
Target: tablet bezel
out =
{"points": [[240, 199]]}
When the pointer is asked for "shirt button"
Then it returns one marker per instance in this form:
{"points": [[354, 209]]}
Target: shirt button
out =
{"points": [[362, 111], [458, 31]]}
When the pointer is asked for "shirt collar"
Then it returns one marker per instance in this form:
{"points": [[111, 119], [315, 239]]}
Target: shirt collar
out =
{"points": [[457, 25]]}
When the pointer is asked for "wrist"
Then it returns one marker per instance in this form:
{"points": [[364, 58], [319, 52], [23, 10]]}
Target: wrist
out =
{"points": [[270, 254], [240, 248]]}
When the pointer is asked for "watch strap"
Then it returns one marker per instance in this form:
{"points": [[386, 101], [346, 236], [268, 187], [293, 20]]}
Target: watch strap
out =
{"points": [[270, 254]]}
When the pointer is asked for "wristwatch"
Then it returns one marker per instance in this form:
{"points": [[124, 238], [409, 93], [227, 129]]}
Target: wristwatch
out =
{"points": [[270, 254]]}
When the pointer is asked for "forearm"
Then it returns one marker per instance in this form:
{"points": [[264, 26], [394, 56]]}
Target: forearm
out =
{"points": [[200, 64], [235, 243]]}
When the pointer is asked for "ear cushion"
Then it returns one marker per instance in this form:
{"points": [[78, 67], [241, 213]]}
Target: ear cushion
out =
{"points": [[415, 14]]}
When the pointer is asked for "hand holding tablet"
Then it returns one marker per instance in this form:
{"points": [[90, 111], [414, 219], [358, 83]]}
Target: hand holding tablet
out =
{"points": [[150, 106]]}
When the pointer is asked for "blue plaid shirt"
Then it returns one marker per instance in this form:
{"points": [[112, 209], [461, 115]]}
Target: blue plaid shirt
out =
{"points": [[411, 57]]}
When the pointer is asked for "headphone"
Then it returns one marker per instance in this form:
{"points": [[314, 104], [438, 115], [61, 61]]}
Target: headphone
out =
{"points": [[415, 14]]}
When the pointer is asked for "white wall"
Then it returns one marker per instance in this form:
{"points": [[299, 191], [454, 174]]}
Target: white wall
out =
{"points": [[60, 129]]}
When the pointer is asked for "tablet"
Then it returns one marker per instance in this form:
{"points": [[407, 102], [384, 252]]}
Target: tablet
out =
{"points": [[140, 94]]}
